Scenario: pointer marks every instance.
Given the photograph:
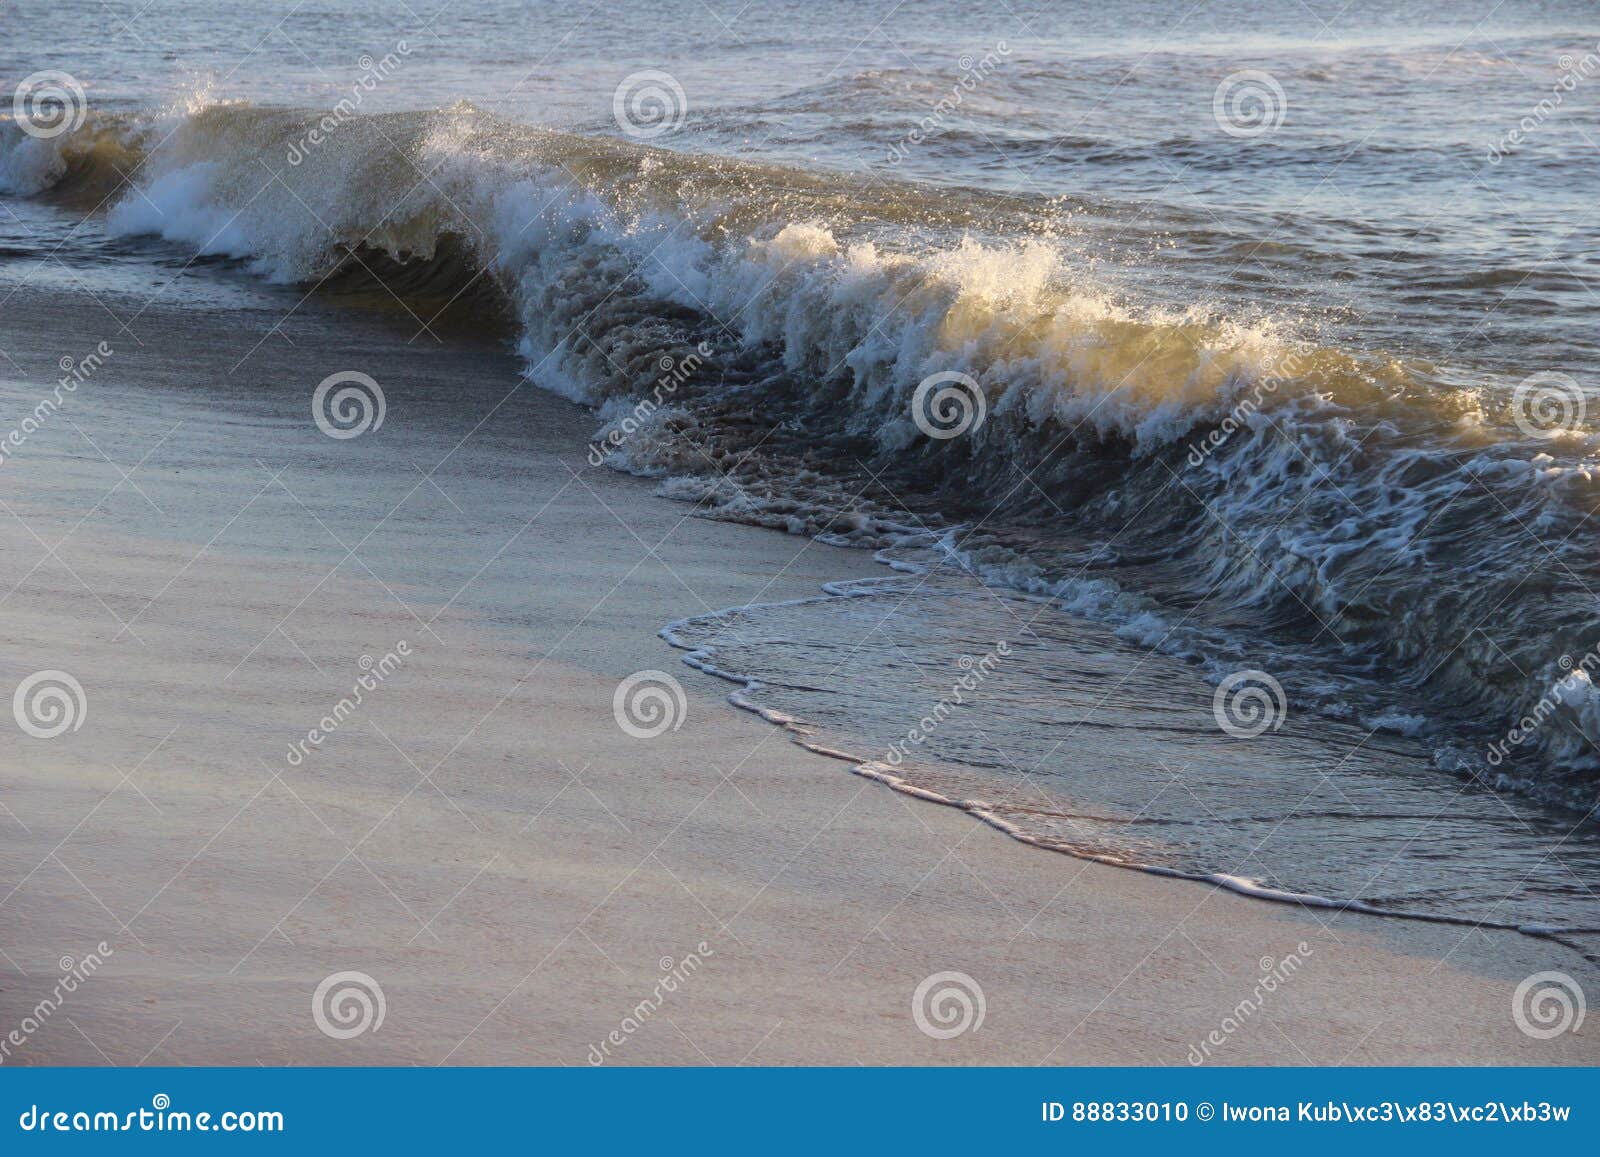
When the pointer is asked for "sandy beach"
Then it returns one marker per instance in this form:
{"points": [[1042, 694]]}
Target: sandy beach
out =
{"points": [[480, 838]]}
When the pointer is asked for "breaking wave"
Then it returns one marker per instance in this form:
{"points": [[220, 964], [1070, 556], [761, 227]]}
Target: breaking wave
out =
{"points": [[1401, 543]]}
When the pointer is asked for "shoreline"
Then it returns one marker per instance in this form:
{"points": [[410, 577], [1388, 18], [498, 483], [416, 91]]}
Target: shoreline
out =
{"points": [[701, 658], [481, 838]]}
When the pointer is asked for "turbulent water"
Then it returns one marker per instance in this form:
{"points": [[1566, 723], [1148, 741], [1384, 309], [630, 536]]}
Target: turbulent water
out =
{"points": [[1292, 379]]}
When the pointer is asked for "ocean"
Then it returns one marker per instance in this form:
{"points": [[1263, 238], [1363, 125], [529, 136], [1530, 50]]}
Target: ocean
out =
{"points": [[1259, 345]]}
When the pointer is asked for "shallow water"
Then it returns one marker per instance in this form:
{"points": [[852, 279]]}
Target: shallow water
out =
{"points": [[1286, 350], [1064, 735]]}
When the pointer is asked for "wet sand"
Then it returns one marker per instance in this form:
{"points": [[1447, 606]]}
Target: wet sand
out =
{"points": [[480, 837]]}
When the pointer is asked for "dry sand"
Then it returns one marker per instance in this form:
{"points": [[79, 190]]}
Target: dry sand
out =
{"points": [[480, 837]]}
